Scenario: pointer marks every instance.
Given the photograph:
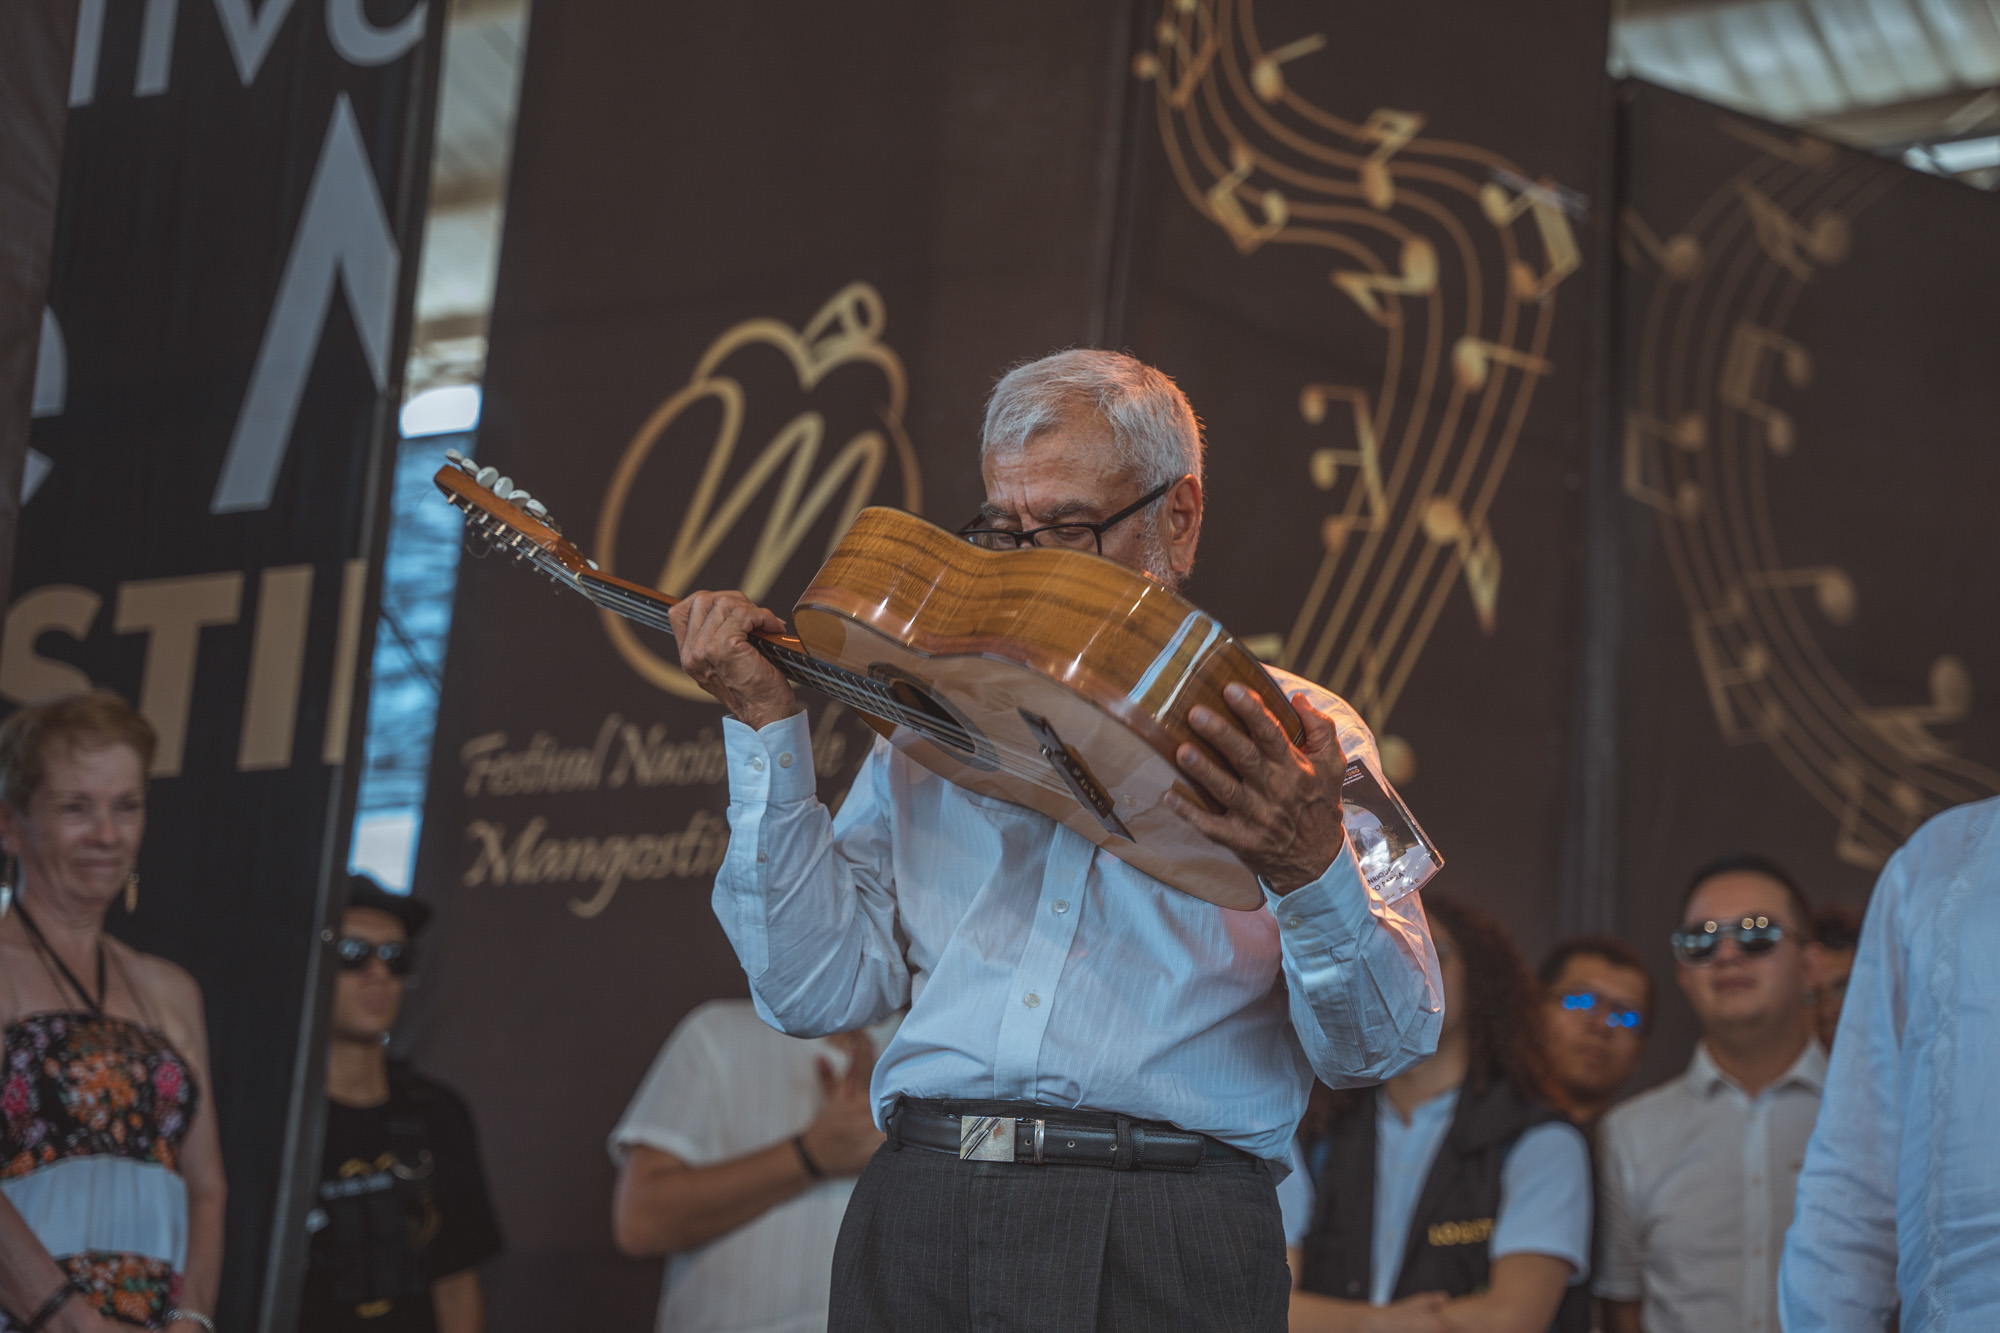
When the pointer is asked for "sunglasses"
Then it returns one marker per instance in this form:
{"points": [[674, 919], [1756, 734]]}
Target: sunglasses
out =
{"points": [[1754, 935], [352, 953], [1583, 1001]]}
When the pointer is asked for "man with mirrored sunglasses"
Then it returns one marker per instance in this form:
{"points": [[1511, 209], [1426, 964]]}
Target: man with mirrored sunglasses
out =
{"points": [[402, 1220], [1597, 1000], [1697, 1176]]}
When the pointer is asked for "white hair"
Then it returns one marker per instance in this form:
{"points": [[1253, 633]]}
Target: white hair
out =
{"points": [[1154, 432]]}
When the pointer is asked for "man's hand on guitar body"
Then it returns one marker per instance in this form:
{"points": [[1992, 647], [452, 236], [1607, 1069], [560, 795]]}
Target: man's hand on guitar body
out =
{"points": [[1281, 805], [713, 630]]}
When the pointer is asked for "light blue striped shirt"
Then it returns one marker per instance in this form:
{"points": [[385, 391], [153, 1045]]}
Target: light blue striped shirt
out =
{"points": [[1900, 1197], [1037, 968]]}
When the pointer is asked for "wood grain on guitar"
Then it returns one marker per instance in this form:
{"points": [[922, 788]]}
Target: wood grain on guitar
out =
{"points": [[1052, 679]]}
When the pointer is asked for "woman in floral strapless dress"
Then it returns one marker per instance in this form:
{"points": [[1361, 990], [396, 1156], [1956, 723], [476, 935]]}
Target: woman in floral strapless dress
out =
{"points": [[111, 1186]]}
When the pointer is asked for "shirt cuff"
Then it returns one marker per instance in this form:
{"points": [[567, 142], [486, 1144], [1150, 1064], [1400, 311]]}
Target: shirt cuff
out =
{"points": [[1327, 915], [770, 765]]}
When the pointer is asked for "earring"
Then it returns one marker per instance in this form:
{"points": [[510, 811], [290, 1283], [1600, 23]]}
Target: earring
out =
{"points": [[10, 870], [132, 893]]}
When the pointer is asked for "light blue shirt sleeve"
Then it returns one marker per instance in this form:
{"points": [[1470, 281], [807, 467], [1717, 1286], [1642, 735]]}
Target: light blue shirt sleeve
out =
{"points": [[1545, 1198], [808, 900], [1361, 976]]}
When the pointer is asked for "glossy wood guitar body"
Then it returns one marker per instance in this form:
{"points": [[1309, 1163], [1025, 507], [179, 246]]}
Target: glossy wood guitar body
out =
{"points": [[1053, 679]]}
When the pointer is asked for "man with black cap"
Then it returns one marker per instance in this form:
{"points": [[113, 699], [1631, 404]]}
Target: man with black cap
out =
{"points": [[403, 1219]]}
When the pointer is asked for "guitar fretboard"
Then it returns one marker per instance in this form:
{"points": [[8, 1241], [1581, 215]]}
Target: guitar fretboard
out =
{"points": [[861, 692]]}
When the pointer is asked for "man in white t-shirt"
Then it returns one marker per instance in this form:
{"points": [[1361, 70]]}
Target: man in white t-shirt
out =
{"points": [[735, 1160]]}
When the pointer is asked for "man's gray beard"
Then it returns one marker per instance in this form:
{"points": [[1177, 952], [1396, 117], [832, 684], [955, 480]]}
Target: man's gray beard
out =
{"points": [[1158, 564]]}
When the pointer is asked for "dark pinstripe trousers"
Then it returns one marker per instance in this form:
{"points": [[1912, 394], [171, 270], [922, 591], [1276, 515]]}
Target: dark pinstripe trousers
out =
{"points": [[932, 1244]]}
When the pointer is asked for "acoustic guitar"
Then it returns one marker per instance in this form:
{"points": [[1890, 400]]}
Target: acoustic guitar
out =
{"points": [[1053, 679]]}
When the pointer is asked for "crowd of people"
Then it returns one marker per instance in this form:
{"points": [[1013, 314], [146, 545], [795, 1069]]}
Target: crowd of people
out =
{"points": [[990, 1078]]}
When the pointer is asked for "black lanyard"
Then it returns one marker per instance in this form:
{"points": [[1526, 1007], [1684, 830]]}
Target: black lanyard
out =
{"points": [[96, 1005]]}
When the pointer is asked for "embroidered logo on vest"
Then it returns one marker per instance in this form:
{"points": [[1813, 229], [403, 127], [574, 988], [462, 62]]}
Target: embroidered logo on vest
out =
{"points": [[1476, 1232]]}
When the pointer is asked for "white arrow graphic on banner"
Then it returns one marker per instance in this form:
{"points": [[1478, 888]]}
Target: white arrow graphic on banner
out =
{"points": [[345, 232]]}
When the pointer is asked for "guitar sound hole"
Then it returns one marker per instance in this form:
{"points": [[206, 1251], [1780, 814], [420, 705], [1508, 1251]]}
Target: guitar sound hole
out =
{"points": [[931, 715]]}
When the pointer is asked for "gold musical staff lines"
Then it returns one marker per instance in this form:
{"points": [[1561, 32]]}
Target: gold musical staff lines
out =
{"points": [[1432, 247], [1702, 435]]}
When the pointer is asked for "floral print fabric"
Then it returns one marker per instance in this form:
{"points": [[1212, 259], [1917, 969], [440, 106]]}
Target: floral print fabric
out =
{"points": [[86, 1085]]}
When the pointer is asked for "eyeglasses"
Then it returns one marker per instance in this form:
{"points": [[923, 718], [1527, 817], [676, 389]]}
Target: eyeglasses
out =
{"points": [[1075, 536], [352, 953], [1583, 1001], [1754, 935]]}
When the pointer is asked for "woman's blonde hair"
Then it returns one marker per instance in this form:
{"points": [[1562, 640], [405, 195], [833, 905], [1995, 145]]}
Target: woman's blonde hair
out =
{"points": [[98, 717]]}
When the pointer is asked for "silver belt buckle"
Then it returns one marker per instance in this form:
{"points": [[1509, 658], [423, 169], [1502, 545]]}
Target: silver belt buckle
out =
{"points": [[985, 1138]]}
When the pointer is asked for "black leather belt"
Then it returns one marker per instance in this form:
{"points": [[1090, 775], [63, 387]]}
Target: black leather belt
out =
{"points": [[1049, 1135]]}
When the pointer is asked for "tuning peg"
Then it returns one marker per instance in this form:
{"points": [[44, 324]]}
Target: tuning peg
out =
{"points": [[453, 457], [591, 563], [503, 486], [519, 497], [536, 507], [486, 476]]}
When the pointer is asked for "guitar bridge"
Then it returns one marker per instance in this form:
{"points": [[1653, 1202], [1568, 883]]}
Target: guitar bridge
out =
{"points": [[1075, 776]]}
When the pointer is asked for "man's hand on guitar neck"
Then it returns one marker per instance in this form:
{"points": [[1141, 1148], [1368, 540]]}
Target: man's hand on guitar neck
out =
{"points": [[713, 630], [1281, 805]]}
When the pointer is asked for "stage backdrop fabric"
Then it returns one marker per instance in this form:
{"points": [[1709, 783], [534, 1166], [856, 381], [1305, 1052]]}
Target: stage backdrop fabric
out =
{"points": [[764, 238], [35, 42], [1805, 431], [240, 200]]}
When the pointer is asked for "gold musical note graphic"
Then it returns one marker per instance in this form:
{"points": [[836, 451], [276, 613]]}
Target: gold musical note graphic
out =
{"points": [[1688, 433], [1472, 359], [1365, 457], [1558, 241], [1802, 151], [1849, 844], [1267, 79], [1722, 670], [1478, 554], [1392, 131], [1195, 65], [1737, 385], [1679, 256], [1244, 234], [1833, 590], [1907, 728], [1783, 237], [1419, 278]]}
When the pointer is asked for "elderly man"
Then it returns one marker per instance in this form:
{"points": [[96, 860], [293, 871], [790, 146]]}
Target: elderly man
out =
{"points": [[1048, 981]]}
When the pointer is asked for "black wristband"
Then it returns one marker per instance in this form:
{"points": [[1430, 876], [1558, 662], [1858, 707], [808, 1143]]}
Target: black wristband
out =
{"points": [[54, 1303], [806, 1158]]}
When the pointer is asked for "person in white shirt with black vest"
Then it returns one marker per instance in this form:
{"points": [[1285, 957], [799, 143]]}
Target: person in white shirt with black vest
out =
{"points": [[1696, 1178], [1048, 981]]}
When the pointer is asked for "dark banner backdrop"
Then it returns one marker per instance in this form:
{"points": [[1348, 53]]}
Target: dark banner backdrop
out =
{"points": [[1807, 402], [35, 42], [236, 239], [768, 238], [1360, 247]]}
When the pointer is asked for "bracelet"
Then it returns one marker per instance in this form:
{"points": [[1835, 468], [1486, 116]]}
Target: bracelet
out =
{"points": [[192, 1316], [806, 1158], [69, 1288]]}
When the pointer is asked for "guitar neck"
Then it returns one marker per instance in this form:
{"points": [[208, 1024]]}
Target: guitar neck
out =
{"points": [[647, 607]]}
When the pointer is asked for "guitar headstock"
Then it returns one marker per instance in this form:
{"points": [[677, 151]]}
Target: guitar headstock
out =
{"points": [[509, 519]]}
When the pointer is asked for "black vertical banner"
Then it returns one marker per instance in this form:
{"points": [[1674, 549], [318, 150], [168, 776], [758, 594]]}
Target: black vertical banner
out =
{"points": [[1807, 401], [236, 242], [35, 40], [762, 263], [1365, 240]]}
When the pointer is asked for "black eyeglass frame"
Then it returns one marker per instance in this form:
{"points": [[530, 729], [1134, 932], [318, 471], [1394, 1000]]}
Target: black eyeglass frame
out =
{"points": [[1755, 936], [1026, 536], [395, 955]]}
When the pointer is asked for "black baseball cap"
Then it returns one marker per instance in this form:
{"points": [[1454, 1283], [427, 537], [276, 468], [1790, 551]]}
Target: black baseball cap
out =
{"points": [[363, 891]]}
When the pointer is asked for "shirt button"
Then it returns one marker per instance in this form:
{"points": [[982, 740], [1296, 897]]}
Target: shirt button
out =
{"points": [[1031, 999], [756, 763], [784, 761], [763, 856], [1292, 923], [1060, 906]]}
